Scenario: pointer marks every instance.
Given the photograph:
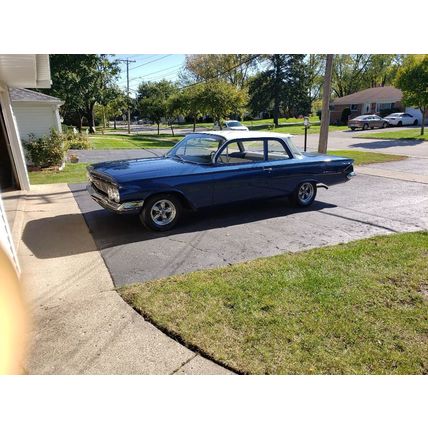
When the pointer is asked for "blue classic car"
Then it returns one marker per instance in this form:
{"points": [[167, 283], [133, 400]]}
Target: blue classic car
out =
{"points": [[213, 168]]}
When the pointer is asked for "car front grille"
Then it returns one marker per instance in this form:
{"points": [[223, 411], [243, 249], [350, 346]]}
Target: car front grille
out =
{"points": [[100, 184]]}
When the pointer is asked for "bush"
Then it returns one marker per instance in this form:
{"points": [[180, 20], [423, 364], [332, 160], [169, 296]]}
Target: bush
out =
{"points": [[76, 141], [346, 112], [47, 150]]}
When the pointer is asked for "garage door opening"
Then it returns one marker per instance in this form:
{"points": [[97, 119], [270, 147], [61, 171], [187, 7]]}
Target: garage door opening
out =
{"points": [[8, 176]]}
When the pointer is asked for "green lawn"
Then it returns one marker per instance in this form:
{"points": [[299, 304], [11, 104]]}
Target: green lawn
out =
{"points": [[72, 173], [133, 141], [76, 173], [405, 134], [364, 158], [357, 308]]}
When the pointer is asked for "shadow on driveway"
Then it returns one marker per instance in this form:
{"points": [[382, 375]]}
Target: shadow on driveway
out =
{"points": [[56, 236], [384, 144]]}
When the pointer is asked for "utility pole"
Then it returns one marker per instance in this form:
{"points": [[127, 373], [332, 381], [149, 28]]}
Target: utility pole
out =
{"points": [[325, 112], [127, 60]]}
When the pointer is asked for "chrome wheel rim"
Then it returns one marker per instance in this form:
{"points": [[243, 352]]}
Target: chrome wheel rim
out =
{"points": [[163, 212], [306, 192]]}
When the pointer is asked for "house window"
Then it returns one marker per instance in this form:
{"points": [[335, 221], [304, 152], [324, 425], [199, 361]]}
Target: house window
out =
{"points": [[384, 106], [354, 107]]}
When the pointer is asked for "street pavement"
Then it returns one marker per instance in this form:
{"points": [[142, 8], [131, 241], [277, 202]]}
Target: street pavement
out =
{"points": [[365, 206]]}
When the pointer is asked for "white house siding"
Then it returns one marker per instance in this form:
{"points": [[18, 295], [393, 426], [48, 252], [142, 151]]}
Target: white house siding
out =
{"points": [[6, 237], [36, 118]]}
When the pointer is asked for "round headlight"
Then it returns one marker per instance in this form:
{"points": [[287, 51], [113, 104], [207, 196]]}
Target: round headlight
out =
{"points": [[113, 194]]}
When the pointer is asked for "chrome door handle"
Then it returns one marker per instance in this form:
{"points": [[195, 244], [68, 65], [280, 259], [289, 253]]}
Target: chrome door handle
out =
{"points": [[267, 169]]}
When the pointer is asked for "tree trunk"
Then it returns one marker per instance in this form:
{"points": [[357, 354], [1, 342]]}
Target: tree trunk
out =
{"points": [[91, 119], [194, 123], [423, 121], [80, 123], [158, 126], [114, 122], [172, 129]]}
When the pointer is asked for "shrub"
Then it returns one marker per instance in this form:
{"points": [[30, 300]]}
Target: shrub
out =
{"points": [[346, 112], [47, 150], [76, 141]]}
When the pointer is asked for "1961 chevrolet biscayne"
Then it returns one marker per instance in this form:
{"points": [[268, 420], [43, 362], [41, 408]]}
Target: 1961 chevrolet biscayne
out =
{"points": [[213, 168]]}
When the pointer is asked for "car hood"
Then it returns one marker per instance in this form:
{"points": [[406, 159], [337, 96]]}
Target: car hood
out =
{"points": [[134, 169]]}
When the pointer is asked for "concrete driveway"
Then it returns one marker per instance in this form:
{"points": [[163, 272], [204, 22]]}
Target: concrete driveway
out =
{"points": [[366, 206]]}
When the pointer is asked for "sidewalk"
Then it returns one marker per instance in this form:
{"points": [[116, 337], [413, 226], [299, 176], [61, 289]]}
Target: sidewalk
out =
{"points": [[80, 324], [412, 169]]}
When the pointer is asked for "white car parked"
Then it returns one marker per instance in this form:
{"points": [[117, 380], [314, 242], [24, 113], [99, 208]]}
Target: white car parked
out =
{"points": [[234, 125], [400, 119]]}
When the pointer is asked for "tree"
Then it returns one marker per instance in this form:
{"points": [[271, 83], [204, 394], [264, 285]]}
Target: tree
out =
{"points": [[231, 68], [152, 99], [81, 81], [282, 88], [412, 79], [176, 106], [219, 99], [112, 104]]}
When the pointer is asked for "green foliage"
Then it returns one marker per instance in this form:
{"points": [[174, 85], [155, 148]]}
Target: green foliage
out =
{"points": [[81, 81], [153, 99], [352, 73], [282, 88], [412, 79], [77, 141], [220, 99], [230, 68], [47, 150]]}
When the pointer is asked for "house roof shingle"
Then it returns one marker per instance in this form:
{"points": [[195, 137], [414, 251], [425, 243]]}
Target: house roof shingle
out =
{"points": [[371, 95], [18, 94]]}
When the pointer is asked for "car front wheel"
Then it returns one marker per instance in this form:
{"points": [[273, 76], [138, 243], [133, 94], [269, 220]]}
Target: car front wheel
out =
{"points": [[305, 194], [365, 126], [161, 212]]}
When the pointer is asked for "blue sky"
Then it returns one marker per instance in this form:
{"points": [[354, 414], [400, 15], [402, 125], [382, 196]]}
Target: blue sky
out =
{"points": [[149, 67]]}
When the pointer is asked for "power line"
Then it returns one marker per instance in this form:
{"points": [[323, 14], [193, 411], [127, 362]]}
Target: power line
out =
{"points": [[150, 62]]}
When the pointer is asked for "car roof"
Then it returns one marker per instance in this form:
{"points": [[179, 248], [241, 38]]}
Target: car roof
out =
{"points": [[231, 135]]}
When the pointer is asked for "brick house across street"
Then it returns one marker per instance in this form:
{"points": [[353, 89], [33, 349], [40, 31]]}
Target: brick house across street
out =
{"points": [[369, 101]]}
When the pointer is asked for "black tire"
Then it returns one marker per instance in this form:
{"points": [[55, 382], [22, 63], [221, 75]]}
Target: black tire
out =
{"points": [[352, 129], [365, 126], [298, 197], [415, 122], [172, 208], [400, 123], [384, 125]]}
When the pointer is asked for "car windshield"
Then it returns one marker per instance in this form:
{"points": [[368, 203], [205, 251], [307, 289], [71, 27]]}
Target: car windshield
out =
{"points": [[233, 123], [197, 148], [395, 115], [361, 117]]}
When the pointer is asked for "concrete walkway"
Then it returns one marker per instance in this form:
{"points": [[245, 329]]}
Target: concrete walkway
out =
{"points": [[80, 323]]}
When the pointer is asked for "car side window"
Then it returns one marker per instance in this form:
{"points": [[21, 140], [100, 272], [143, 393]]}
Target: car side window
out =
{"points": [[276, 151], [243, 152]]}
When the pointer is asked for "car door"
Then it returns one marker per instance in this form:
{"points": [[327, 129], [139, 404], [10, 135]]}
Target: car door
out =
{"points": [[239, 171], [285, 172]]}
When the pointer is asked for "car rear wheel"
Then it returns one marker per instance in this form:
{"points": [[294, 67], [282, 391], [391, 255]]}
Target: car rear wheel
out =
{"points": [[352, 128], [400, 123], [365, 126], [384, 125], [415, 122], [161, 212], [305, 194]]}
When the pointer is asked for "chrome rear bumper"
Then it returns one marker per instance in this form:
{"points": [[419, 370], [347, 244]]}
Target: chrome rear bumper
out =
{"points": [[105, 202]]}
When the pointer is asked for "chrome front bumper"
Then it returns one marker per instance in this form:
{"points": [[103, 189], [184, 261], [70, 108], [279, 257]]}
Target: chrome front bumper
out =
{"points": [[105, 202], [350, 175]]}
